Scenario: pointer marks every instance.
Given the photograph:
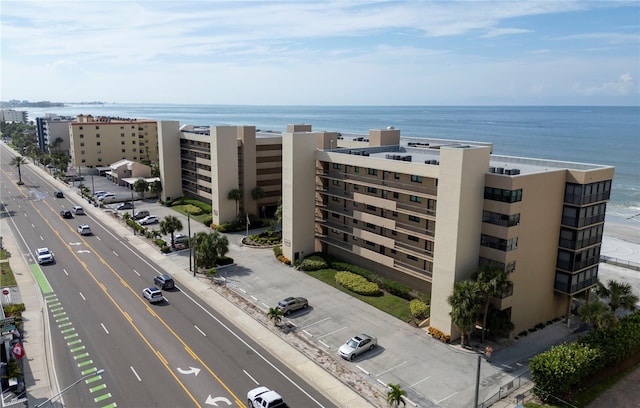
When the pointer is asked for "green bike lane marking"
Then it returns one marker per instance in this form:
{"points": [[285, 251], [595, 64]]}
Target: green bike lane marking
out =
{"points": [[45, 287]]}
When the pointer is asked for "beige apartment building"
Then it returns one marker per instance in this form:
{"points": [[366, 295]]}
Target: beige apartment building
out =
{"points": [[424, 212], [429, 212], [213, 161], [99, 141]]}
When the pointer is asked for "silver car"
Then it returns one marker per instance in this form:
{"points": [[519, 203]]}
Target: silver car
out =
{"points": [[292, 304], [357, 345]]}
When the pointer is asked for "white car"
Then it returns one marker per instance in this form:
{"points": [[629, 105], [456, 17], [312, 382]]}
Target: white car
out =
{"points": [[153, 295], [77, 210], [44, 256], [84, 229], [149, 219], [262, 397], [357, 345]]}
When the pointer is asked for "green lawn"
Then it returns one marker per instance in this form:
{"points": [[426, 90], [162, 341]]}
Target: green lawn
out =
{"points": [[391, 304], [6, 275], [198, 218]]}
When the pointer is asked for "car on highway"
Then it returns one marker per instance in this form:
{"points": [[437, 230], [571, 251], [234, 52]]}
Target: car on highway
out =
{"points": [[140, 214], [153, 295], [58, 194], [149, 219], [77, 210], [84, 229], [291, 304], [125, 206], [357, 345], [44, 256], [66, 214], [164, 282], [262, 397]]}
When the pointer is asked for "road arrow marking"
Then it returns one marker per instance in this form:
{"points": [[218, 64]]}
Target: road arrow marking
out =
{"points": [[192, 370], [84, 251], [75, 243], [214, 401]]}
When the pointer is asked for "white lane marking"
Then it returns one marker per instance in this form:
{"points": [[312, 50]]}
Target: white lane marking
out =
{"points": [[307, 333], [115, 253], [104, 328], [382, 382], [319, 321], [254, 298], [424, 379], [136, 272], [98, 238], [82, 296], [136, 374], [201, 332], [252, 379], [445, 398], [41, 239], [65, 271], [324, 344], [392, 368], [335, 331], [265, 305], [33, 226], [363, 370]]}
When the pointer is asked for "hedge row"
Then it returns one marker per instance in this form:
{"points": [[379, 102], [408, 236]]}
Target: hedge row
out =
{"points": [[565, 367], [313, 263], [391, 286], [357, 284]]}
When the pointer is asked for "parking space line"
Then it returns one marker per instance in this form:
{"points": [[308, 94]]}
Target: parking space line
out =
{"points": [[392, 368], [319, 321], [330, 333], [307, 333], [424, 379], [446, 398], [324, 344]]}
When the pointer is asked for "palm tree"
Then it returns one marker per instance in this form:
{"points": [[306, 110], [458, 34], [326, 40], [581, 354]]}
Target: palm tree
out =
{"points": [[275, 315], [257, 194], [140, 186], [205, 250], [596, 313], [620, 295], [169, 225], [220, 244], [236, 195], [17, 162], [278, 213], [395, 394], [156, 188], [492, 282], [465, 303]]}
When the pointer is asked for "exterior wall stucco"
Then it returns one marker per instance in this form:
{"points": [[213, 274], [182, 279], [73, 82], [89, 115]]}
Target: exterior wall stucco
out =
{"points": [[169, 163]]}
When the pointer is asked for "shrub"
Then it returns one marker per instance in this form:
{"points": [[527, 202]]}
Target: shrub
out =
{"points": [[357, 283], [437, 334], [343, 266], [207, 221], [192, 209], [277, 251], [419, 309], [397, 288], [165, 249], [313, 263], [161, 242], [284, 259]]}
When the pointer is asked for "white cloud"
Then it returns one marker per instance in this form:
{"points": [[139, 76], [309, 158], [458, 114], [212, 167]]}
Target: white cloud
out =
{"points": [[623, 86]]}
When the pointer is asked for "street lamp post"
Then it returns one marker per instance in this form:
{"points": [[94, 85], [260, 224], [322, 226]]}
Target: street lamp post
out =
{"points": [[190, 243], [132, 214], [69, 387]]}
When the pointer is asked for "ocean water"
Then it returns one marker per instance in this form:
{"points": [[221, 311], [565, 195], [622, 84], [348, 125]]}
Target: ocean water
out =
{"points": [[585, 134]]}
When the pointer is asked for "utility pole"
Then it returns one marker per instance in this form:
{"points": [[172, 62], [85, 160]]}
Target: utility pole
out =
{"points": [[475, 401], [189, 233]]}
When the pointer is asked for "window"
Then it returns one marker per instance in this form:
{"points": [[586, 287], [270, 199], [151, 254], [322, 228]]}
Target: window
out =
{"points": [[396, 176], [335, 215], [99, 159], [121, 134], [504, 220], [97, 127], [122, 142], [396, 194], [81, 144], [499, 243], [133, 134], [135, 150], [411, 257], [415, 199], [81, 151], [505, 196], [336, 199], [356, 169], [83, 160], [81, 136], [133, 142], [356, 187], [81, 127], [124, 150], [416, 179], [97, 143], [394, 213], [337, 166], [335, 182], [373, 172], [413, 238], [414, 218], [371, 207], [370, 243], [372, 190], [370, 225], [98, 135], [99, 151]]}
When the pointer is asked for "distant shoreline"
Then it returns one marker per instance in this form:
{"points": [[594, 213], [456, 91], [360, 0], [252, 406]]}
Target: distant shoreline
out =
{"points": [[627, 229]]}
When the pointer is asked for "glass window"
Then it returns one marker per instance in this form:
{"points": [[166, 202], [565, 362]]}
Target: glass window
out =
{"points": [[373, 172], [415, 199], [416, 179]]}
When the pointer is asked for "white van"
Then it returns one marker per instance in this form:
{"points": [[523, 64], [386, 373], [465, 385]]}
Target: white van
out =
{"points": [[107, 198]]}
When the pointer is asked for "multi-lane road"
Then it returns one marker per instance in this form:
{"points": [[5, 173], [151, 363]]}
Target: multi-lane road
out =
{"points": [[173, 354]]}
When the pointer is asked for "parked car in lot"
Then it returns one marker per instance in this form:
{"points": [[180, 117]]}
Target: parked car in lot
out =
{"points": [[125, 206], [107, 198], [44, 256], [357, 345], [140, 214], [262, 397], [164, 282], [66, 214], [58, 194], [291, 304], [99, 193], [77, 210], [84, 229], [149, 219], [153, 295]]}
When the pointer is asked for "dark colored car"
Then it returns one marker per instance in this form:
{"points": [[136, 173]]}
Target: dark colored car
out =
{"points": [[58, 194], [164, 282], [66, 214], [125, 206]]}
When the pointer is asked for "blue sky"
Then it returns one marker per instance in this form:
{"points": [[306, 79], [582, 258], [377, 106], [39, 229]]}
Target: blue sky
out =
{"points": [[322, 52]]}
